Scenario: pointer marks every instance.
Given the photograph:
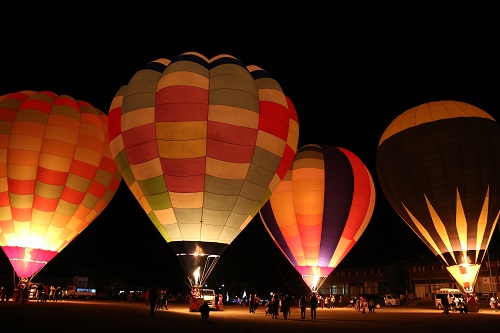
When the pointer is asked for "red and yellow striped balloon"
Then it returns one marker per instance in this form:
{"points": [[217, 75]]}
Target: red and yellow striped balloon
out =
{"points": [[202, 143], [320, 210], [56, 174]]}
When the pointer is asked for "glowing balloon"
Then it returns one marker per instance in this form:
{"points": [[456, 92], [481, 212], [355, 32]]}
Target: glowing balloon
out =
{"points": [[320, 210], [56, 175], [201, 144], [438, 165]]}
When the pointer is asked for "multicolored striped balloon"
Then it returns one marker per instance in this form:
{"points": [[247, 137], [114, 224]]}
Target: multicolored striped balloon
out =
{"points": [[202, 143], [439, 167], [320, 210], [56, 175]]}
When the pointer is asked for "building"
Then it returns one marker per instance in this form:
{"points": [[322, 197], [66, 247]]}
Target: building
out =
{"points": [[418, 277]]}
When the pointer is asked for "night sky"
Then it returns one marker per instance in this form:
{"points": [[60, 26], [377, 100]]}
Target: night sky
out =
{"points": [[348, 70]]}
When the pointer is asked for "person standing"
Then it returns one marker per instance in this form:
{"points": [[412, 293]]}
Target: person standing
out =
{"points": [[461, 306], [40, 293], [303, 307], [153, 298], [493, 302], [276, 306], [313, 304], [218, 302], [445, 303], [159, 303], [164, 300], [20, 287], [46, 290], [285, 306], [371, 306], [321, 301], [26, 292], [52, 293], [251, 303]]}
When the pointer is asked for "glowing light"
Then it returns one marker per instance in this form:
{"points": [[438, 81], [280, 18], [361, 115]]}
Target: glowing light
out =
{"points": [[465, 275], [315, 283], [27, 255], [437, 164], [319, 210], [202, 143], [56, 175], [197, 276]]}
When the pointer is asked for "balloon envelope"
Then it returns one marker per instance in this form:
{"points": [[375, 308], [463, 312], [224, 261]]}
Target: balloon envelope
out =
{"points": [[201, 144], [320, 210], [56, 175], [438, 165]]}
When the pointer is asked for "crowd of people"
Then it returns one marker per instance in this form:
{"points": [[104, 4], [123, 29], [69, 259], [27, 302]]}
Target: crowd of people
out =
{"points": [[26, 290], [274, 306], [361, 304], [458, 304], [277, 305]]}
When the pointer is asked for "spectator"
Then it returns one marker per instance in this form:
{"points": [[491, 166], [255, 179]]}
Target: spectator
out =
{"points": [[205, 310], [446, 306], [321, 301], [26, 292], [52, 293], [313, 303], [303, 307], [461, 306], [153, 298], [251, 303], [363, 303], [275, 306], [371, 306], [285, 306]]}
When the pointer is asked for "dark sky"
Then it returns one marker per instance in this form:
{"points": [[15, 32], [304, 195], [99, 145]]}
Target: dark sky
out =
{"points": [[348, 70]]}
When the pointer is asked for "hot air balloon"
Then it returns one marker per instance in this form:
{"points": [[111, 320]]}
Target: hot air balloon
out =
{"points": [[438, 165], [320, 210], [56, 175], [202, 143]]}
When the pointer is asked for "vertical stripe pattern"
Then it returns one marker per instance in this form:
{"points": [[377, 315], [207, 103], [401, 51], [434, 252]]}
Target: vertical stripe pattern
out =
{"points": [[56, 174]]}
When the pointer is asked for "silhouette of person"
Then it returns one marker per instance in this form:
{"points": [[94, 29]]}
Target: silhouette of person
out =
{"points": [[276, 304], [251, 303], [446, 305], [313, 303], [204, 310], [371, 306], [26, 292], [20, 287], [285, 306], [303, 306], [153, 298]]}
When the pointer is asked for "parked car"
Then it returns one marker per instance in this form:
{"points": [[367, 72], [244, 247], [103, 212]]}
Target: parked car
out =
{"points": [[390, 300], [452, 294]]}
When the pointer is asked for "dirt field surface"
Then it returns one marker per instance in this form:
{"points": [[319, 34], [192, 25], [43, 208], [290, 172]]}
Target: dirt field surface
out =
{"points": [[108, 316]]}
